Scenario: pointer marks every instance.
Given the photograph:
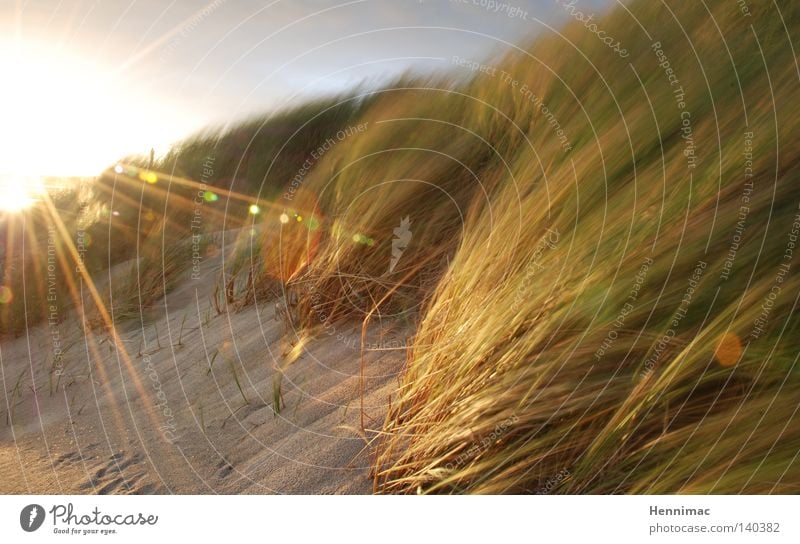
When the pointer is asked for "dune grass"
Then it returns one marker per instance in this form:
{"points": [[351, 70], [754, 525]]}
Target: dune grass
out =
{"points": [[593, 241], [586, 242], [623, 320]]}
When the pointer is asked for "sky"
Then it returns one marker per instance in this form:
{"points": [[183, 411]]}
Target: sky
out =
{"points": [[134, 74]]}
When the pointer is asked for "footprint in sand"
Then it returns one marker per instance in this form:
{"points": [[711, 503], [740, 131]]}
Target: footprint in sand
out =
{"points": [[67, 458], [224, 468], [120, 473]]}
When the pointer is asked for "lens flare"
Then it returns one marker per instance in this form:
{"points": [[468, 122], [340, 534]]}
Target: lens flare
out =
{"points": [[6, 296], [729, 349], [149, 177]]}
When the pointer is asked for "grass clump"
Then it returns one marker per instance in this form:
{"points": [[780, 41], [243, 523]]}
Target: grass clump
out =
{"points": [[602, 326]]}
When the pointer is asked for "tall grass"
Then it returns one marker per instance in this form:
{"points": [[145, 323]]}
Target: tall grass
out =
{"points": [[590, 288], [592, 248], [592, 334]]}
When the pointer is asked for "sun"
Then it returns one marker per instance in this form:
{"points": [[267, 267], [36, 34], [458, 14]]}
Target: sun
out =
{"points": [[63, 114], [18, 194]]}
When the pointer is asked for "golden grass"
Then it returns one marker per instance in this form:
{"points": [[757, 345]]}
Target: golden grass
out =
{"points": [[586, 283], [573, 347]]}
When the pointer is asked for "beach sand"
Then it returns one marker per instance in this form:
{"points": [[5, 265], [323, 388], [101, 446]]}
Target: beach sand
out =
{"points": [[160, 411]]}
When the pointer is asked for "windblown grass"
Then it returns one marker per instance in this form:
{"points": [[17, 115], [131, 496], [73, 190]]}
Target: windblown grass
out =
{"points": [[587, 286], [145, 280], [590, 335], [402, 173]]}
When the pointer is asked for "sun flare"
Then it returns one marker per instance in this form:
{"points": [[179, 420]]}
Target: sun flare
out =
{"points": [[18, 194], [64, 115]]}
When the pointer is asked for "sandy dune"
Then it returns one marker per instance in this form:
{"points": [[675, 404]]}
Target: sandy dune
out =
{"points": [[161, 411]]}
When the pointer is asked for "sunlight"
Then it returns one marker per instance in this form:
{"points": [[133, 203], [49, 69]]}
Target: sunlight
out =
{"points": [[18, 193], [65, 116]]}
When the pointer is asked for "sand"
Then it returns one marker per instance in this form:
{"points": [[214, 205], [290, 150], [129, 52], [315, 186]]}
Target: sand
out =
{"points": [[150, 413]]}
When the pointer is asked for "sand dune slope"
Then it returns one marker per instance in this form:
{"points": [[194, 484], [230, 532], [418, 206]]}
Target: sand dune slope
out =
{"points": [[184, 402]]}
